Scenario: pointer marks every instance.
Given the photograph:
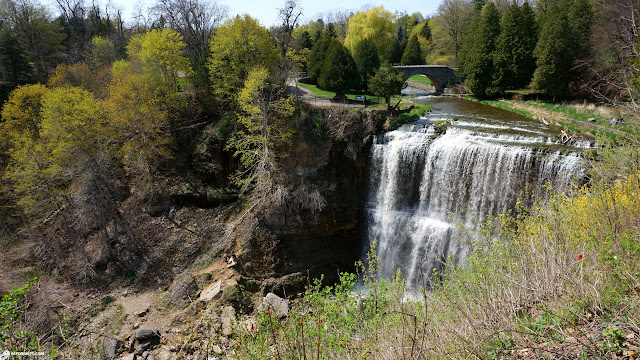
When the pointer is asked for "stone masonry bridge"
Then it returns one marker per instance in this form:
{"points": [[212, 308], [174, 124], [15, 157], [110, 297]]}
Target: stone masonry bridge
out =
{"points": [[440, 75]]}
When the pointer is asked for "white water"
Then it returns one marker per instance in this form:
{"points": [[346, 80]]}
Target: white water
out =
{"points": [[422, 183]]}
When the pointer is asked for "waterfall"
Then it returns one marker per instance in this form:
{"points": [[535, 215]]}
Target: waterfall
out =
{"points": [[422, 183]]}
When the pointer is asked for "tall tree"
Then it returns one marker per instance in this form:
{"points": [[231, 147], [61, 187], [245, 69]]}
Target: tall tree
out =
{"points": [[239, 45], [387, 82], [289, 16], [367, 60], [479, 53], [552, 53], [259, 142], [316, 58], [14, 62], [514, 61], [339, 71], [412, 54], [376, 24], [449, 26]]}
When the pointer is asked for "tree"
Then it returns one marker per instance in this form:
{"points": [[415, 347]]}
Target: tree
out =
{"points": [[316, 58], [21, 115], [388, 81], [376, 24], [239, 45], [367, 61], [450, 24], [102, 52], [553, 54], [289, 16], [14, 62], [478, 64], [259, 143], [339, 71], [412, 54], [195, 20], [395, 57], [514, 61], [37, 34]]}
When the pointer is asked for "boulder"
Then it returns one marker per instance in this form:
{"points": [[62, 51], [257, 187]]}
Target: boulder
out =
{"points": [[228, 319], [616, 121], [111, 347], [211, 291], [591, 119], [145, 334], [274, 304], [183, 289]]}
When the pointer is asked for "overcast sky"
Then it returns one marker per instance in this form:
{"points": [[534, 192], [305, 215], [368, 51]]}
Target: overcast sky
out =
{"points": [[267, 11]]}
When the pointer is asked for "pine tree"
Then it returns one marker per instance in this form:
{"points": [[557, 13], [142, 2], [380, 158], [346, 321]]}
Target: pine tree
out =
{"points": [[411, 55], [397, 49], [339, 71], [478, 65], [366, 58], [316, 58], [426, 31], [553, 52], [514, 61]]}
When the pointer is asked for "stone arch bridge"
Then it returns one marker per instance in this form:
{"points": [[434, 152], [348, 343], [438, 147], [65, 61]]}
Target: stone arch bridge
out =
{"points": [[440, 75]]}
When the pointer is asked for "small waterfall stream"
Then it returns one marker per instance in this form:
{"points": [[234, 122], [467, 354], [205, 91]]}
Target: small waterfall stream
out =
{"points": [[422, 182]]}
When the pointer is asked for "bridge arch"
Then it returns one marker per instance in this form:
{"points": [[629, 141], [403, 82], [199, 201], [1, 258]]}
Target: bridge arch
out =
{"points": [[440, 75]]}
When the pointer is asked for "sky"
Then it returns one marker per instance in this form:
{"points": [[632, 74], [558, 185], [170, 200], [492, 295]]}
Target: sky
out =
{"points": [[267, 10]]}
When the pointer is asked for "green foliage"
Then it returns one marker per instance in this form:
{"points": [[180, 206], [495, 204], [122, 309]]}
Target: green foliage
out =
{"points": [[480, 44], [102, 52], [375, 24], [239, 45], [565, 30], [412, 54], [14, 62], [388, 81], [397, 49], [258, 144], [316, 58], [366, 58], [339, 71], [514, 61]]}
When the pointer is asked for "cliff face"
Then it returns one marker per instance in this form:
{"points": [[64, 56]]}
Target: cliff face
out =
{"points": [[328, 157]]}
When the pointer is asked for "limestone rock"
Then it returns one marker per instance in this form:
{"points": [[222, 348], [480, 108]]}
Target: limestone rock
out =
{"points": [[111, 347], [145, 334], [274, 304], [183, 288], [228, 319], [211, 291]]}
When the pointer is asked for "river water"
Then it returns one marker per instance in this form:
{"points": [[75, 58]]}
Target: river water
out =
{"points": [[429, 191]]}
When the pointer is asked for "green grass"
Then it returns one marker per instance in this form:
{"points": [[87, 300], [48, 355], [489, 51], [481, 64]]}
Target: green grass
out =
{"points": [[351, 94], [420, 79], [418, 110]]}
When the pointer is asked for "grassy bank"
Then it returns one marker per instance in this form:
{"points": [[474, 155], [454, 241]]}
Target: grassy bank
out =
{"points": [[351, 94], [558, 281], [580, 118], [420, 79]]}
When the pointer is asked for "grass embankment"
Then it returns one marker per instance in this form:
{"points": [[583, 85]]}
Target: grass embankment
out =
{"points": [[351, 94], [558, 281], [419, 109], [585, 119], [420, 79]]}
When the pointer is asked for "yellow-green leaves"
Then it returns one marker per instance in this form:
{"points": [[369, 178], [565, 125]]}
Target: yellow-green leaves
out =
{"points": [[376, 24], [21, 114], [239, 45], [263, 132]]}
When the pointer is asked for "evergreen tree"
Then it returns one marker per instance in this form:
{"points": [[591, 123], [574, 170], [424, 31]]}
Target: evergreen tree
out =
{"points": [[316, 58], [366, 58], [411, 55], [14, 62], [339, 71], [581, 19], [426, 31], [330, 31], [514, 61], [478, 64], [397, 49], [553, 52]]}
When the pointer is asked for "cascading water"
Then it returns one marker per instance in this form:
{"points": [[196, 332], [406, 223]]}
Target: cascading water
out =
{"points": [[422, 182]]}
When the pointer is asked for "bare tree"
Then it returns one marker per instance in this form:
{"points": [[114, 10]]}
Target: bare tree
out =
{"points": [[195, 20], [453, 17], [614, 65], [289, 15]]}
